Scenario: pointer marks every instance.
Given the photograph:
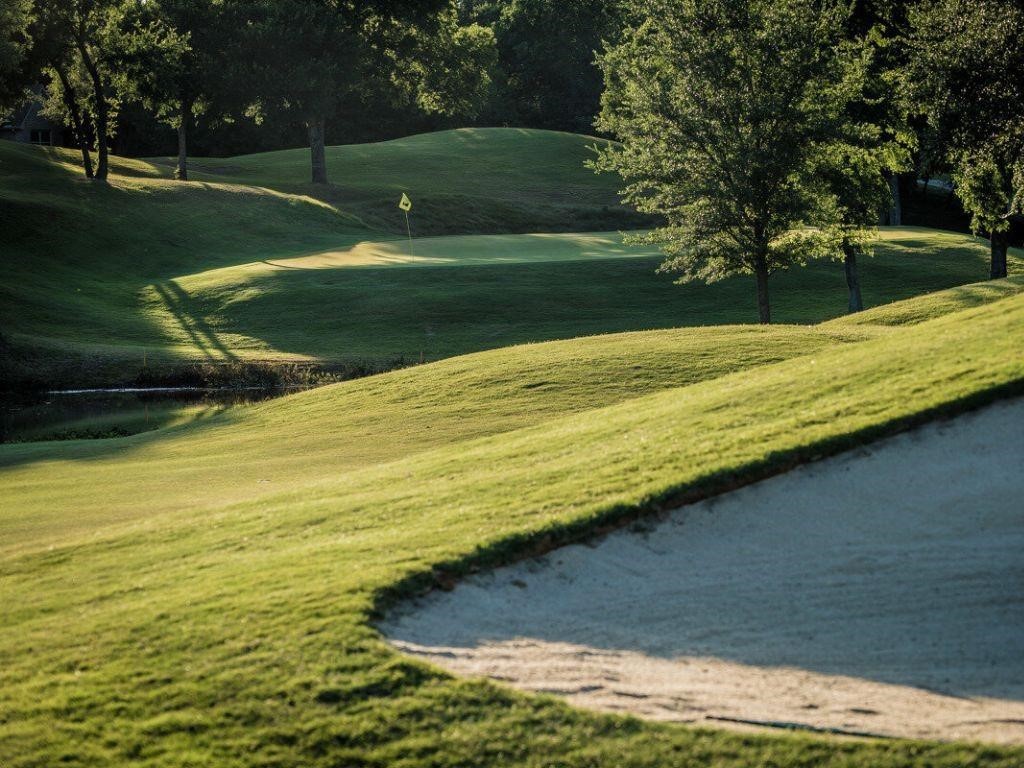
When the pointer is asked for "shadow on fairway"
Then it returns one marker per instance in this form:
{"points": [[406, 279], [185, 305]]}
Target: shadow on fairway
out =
{"points": [[440, 311], [202, 336]]}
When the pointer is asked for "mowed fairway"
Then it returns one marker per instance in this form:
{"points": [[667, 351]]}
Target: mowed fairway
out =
{"points": [[102, 281], [203, 595]]}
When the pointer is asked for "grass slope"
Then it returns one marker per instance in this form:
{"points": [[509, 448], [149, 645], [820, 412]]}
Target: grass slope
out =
{"points": [[100, 281], [193, 623], [462, 181], [497, 291]]}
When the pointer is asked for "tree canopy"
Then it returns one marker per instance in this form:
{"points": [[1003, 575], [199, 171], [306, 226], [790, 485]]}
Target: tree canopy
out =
{"points": [[967, 76], [722, 108]]}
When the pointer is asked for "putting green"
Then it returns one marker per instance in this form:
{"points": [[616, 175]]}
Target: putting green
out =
{"points": [[468, 250]]}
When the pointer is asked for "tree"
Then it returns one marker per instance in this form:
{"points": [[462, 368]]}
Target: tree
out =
{"points": [[860, 166], [15, 17], [721, 107], [111, 43], [853, 180], [54, 59], [967, 76], [547, 51], [883, 24], [311, 56], [449, 71], [179, 88]]}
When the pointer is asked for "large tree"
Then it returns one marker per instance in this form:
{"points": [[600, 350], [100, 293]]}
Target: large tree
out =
{"points": [[53, 59], [111, 44], [967, 75], [311, 56], [182, 87], [859, 167], [547, 51], [15, 16], [721, 107]]}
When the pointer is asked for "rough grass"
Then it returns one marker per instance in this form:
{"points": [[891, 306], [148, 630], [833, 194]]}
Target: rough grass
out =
{"points": [[203, 596]]}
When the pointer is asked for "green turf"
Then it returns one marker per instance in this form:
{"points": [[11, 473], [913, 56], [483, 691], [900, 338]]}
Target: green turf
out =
{"points": [[463, 181], [199, 595], [202, 595], [102, 282]]}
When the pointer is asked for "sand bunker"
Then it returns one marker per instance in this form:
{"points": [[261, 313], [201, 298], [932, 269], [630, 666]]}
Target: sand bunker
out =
{"points": [[878, 592]]}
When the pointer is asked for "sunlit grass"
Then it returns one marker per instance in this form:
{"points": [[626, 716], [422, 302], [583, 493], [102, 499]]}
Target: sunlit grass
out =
{"points": [[203, 595]]}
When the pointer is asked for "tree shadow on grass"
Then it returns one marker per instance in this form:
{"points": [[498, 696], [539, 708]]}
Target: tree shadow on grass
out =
{"points": [[178, 303]]}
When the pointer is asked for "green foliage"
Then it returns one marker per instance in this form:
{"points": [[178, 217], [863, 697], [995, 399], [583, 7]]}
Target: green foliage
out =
{"points": [[15, 17], [181, 86], [450, 70], [723, 108], [547, 56], [967, 70]]}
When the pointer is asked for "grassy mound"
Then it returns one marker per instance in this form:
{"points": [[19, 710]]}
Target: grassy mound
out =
{"points": [[462, 181], [203, 595]]}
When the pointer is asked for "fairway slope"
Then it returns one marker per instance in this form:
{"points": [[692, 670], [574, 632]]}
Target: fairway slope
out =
{"points": [[146, 277], [205, 594], [461, 181]]}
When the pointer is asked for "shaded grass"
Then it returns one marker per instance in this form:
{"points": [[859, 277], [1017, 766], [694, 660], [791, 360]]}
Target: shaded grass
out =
{"points": [[462, 181], [229, 633]]}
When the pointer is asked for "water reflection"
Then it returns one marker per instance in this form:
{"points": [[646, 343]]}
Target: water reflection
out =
{"points": [[102, 413]]}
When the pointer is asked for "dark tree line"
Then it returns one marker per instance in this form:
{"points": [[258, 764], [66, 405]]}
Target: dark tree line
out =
{"points": [[235, 76], [226, 62]]}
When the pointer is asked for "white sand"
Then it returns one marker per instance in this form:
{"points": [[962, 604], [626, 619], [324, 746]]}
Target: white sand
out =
{"points": [[881, 591]]}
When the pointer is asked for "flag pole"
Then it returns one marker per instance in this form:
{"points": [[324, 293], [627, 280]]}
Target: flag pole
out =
{"points": [[406, 205], [409, 230]]}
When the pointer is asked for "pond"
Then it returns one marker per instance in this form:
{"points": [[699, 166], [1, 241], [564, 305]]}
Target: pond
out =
{"points": [[101, 413]]}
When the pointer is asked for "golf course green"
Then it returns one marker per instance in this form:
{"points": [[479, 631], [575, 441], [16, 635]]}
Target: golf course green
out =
{"points": [[205, 594], [149, 274]]}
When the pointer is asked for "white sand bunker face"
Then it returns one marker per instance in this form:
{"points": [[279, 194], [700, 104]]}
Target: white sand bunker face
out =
{"points": [[878, 592]]}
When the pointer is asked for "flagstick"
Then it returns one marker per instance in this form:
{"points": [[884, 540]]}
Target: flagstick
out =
{"points": [[409, 230]]}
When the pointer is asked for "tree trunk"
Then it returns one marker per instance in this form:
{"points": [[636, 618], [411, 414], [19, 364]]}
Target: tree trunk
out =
{"points": [[894, 216], [77, 124], [1000, 242], [761, 273], [317, 150], [184, 121], [102, 111], [856, 303]]}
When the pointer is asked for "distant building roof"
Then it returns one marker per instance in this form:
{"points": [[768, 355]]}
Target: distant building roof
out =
{"points": [[27, 117]]}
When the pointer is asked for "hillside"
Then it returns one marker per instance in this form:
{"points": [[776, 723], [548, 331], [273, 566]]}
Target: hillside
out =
{"points": [[103, 282], [462, 181], [208, 588]]}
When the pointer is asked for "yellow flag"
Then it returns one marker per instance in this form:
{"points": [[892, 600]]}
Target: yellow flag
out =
{"points": [[405, 203]]}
